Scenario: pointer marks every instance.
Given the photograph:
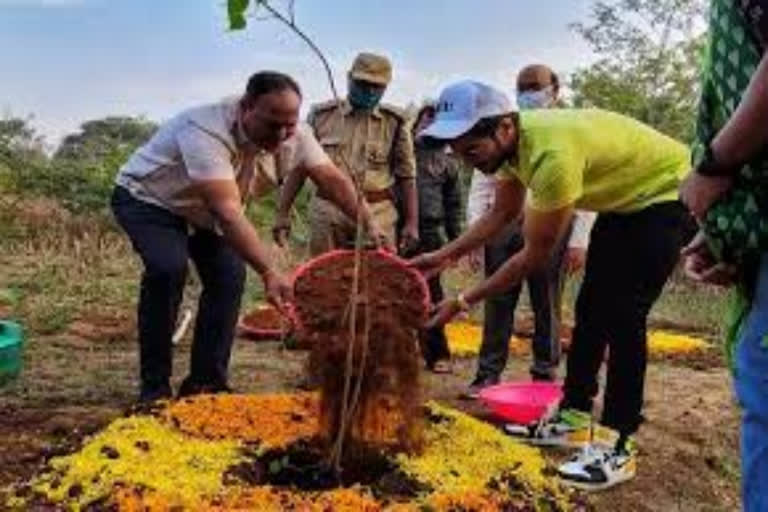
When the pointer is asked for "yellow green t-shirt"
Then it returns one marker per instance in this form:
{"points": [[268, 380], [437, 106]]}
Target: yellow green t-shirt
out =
{"points": [[596, 160]]}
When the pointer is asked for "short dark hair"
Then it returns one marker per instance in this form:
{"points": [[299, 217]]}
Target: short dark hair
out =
{"points": [[265, 82], [486, 127]]}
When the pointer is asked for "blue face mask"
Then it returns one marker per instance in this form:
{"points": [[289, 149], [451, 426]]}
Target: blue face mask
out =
{"points": [[362, 97], [536, 99]]}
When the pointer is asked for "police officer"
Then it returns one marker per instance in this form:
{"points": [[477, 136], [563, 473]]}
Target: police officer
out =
{"points": [[372, 142]]}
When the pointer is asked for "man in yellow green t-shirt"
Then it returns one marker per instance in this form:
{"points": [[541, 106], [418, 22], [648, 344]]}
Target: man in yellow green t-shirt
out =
{"points": [[596, 161]]}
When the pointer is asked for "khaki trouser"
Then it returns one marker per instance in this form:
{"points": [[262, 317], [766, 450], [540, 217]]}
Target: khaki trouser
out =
{"points": [[331, 229]]}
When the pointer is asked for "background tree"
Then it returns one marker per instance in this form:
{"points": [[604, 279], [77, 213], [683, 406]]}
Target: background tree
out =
{"points": [[22, 154], [648, 67], [101, 137], [82, 171]]}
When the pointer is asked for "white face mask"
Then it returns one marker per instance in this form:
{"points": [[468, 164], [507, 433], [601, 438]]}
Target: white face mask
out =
{"points": [[544, 98]]}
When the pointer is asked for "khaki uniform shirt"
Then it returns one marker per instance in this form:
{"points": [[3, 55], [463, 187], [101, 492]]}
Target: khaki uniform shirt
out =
{"points": [[376, 144]]}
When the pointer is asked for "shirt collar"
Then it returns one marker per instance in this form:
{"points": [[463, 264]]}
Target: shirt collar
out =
{"points": [[346, 109]]}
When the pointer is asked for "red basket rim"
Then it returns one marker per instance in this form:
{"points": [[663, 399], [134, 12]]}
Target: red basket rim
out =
{"points": [[263, 333], [260, 334], [418, 276]]}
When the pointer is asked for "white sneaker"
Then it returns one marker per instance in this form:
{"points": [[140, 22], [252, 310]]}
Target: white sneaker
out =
{"points": [[596, 468], [566, 428]]}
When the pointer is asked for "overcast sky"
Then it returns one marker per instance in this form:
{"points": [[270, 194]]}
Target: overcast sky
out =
{"points": [[66, 61]]}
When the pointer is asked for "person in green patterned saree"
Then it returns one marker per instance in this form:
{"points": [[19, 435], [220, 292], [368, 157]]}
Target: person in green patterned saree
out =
{"points": [[728, 192]]}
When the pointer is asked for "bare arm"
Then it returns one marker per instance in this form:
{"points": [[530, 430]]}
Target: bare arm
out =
{"points": [[742, 137], [508, 203], [541, 232], [745, 133], [223, 199]]}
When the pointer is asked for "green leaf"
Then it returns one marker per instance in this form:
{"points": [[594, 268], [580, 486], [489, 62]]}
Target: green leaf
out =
{"points": [[236, 10]]}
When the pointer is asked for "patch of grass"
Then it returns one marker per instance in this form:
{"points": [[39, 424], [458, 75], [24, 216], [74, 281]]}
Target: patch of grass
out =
{"points": [[691, 306], [53, 320], [726, 466]]}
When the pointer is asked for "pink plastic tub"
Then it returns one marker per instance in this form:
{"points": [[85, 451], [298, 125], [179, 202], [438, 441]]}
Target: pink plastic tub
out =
{"points": [[521, 402]]}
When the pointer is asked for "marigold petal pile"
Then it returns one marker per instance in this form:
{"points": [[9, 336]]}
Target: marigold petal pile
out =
{"points": [[464, 340], [185, 456]]}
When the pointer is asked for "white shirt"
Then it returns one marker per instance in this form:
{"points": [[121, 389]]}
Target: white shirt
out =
{"points": [[482, 191], [204, 144]]}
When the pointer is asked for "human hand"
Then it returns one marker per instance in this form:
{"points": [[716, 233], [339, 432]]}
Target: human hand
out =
{"points": [[700, 192], [574, 259], [700, 265], [278, 291]]}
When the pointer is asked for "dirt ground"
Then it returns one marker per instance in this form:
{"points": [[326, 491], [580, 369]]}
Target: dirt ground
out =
{"points": [[74, 385]]}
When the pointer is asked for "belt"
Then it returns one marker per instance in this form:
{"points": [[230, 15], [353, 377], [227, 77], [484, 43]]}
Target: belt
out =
{"points": [[371, 196]]}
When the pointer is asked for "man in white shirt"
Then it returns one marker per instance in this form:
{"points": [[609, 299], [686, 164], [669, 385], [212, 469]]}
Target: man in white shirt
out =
{"points": [[537, 87], [181, 196]]}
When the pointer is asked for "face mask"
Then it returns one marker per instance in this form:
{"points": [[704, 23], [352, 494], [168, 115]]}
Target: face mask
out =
{"points": [[364, 98], [536, 99]]}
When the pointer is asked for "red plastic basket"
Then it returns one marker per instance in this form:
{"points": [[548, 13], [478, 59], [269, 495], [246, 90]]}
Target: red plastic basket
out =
{"points": [[322, 260], [250, 330]]}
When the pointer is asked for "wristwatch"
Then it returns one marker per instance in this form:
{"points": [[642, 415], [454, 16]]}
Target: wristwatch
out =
{"points": [[709, 166]]}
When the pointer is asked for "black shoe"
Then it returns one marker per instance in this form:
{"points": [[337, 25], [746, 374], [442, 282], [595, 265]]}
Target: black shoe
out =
{"points": [[477, 385], [150, 394], [190, 388]]}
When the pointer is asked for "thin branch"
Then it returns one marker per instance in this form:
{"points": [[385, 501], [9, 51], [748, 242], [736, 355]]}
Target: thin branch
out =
{"points": [[290, 24], [348, 404], [292, 11], [354, 402]]}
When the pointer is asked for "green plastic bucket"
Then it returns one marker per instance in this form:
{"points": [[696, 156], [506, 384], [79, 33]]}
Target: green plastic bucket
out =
{"points": [[11, 346]]}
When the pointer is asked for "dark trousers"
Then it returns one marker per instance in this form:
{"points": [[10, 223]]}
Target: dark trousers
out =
{"points": [[164, 244], [630, 258], [545, 292], [434, 344]]}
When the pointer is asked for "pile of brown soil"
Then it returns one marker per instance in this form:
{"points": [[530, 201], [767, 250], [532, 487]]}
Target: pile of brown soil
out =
{"points": [[391, 308]]}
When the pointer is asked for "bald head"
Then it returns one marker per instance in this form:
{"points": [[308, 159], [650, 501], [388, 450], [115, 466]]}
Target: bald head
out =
{"points": [[537, 77], [537, 87]]}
